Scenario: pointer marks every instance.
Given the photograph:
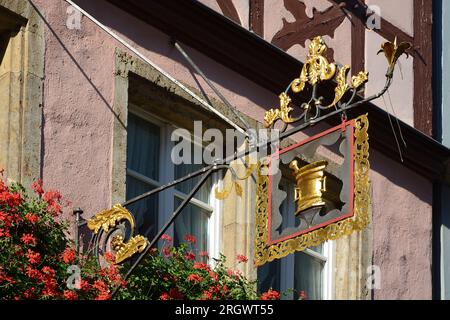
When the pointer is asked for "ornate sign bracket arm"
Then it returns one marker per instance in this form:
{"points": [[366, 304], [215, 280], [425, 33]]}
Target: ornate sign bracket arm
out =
{"points": [[317, 70]]}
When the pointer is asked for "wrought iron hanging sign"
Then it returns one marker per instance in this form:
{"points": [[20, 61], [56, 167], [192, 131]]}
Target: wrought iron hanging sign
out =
{"points": [[330, 199], [329, 184]]}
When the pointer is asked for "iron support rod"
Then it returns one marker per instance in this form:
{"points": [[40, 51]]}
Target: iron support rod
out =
{"points": [[211, 85], [175, 214], [77, 212], [168, 185]]}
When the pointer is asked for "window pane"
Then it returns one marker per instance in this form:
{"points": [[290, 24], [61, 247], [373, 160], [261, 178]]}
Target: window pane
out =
{"points": [[143, 146], [145, 211], [269, 276], [308, 276], [192, 220], [182, 170]]}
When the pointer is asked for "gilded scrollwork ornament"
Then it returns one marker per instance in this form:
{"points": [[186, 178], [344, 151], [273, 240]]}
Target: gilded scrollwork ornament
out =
{"points": [[105, 221], [316, 67], [125, 250], [283, 113], [358, 80], [109, 218], [231, 180], [315, 70]]}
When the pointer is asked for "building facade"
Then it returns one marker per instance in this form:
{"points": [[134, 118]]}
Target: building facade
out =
{"points": [[94, 120]]}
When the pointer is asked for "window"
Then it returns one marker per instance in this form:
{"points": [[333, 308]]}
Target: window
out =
{"points": [[149, 166], [307, 271]]}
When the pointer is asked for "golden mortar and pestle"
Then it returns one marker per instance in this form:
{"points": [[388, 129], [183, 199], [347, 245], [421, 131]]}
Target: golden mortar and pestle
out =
{"points": [[315, 187]]}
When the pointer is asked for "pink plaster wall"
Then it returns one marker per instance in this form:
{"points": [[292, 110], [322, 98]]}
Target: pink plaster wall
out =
{"points": [[78, 95], [77, 141], [402, 220], [398, 12]]}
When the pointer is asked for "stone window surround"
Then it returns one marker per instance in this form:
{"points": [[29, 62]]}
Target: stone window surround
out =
{"points": [[21, 91]]}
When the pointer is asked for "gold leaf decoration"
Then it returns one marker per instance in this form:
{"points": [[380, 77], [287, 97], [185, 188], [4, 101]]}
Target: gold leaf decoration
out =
{"points": [[222, 195], [392, 52], [126, 250], [229, 184], [342, 85], [271, 116], [358, 80], [316, 67], [238, 188], [282, 113], [285, 108], [109, 218]]}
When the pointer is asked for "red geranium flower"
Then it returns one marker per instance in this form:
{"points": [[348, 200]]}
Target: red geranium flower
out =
{"points": [[214, 276], [241, 258], [189, 255], [166, 251], [201, 266], [166, 237], [103, 290], [100, 285], [207, 295], [302, 295], [194, 278], [270, 295], [164, 296], [104, 295], [69, 255], [28, 239], [53, 198], [10, 199], [110, 257], [29, 293], [32, 218], [203, 254], [84, 285], [33, 257], [37, 187], [33, 273], [70, 295], [190, 238], [48, 271], [4, 232]]}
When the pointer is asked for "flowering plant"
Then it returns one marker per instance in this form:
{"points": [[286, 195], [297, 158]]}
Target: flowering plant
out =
{"points": [[178, 273], [36, 258]]}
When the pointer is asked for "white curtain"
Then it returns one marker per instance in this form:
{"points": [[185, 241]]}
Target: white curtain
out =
{"points": [[308, 276], [143, 148], [193, 219]]}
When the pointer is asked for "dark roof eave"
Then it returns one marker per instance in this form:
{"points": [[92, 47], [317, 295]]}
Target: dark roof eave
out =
{"points": [[221, 39]]}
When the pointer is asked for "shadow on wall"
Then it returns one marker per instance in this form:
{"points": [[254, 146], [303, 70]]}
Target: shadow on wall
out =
{"points": [[74, 60], [155, 41], [401, 176]]}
